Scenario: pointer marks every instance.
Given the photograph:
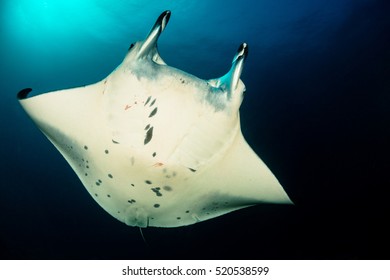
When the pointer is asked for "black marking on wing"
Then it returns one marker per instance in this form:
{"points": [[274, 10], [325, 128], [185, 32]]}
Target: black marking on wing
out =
{"points": [[115, 142], [151, 104], [149, 135], [23, 93], [153, 112]]}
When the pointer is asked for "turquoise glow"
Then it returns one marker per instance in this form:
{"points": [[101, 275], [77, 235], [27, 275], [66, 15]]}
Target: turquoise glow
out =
{"points": [[41, 20]]}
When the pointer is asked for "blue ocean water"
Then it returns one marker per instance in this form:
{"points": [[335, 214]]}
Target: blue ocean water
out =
{"points": [[316, 110]]}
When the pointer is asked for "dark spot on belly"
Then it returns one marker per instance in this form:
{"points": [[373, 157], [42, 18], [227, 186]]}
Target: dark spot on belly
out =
{"points": [[148, 182], [131, 201], [156, 191], [167, 188], [154, 154], [106, 151], [110, 176], [151, 104], [149, 135], [115, 142], [86, 147], [156, 205], [192, 170], [153, 112], [147, 127], [147, 100]]}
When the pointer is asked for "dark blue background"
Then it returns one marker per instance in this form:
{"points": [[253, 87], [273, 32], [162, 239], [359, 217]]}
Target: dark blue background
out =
{"points": [[316, 111]]}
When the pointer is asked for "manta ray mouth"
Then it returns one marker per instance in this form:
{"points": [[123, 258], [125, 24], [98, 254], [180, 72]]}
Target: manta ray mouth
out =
{"points": [[242, 52], [238, 65], [152, 38], [162, 20]]}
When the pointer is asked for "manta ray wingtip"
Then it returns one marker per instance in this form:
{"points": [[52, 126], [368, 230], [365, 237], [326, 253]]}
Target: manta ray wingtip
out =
{"points": [[23, 93]]}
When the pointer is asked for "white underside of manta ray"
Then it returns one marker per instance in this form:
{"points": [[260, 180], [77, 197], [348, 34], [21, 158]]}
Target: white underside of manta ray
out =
{"points": [[155, 146]]}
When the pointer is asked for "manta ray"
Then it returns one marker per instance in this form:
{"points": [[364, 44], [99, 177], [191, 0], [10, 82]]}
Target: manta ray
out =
{"points": [[156, 146]]}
